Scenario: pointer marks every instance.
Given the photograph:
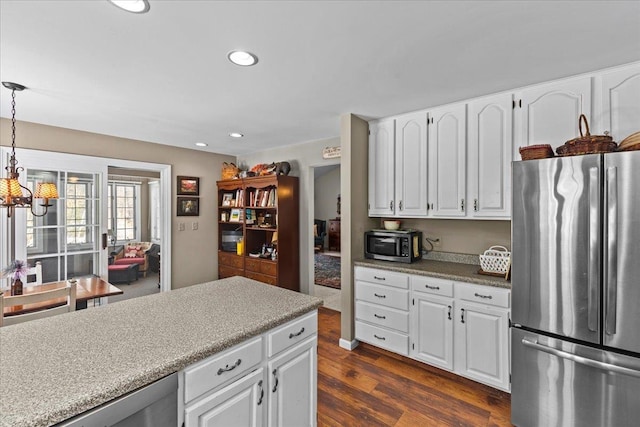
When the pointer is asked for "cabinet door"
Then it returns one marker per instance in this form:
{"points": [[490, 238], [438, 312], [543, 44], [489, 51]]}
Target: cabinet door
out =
{"points": [[241, 403], [482, 344], [382, 168], [447, 161], [292, 386], [411, 165], [549, 113], [432, 330], [621, 102], [490, 143]]}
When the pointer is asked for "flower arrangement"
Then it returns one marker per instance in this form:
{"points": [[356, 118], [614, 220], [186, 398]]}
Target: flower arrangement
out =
{"points": [[17, 270]]}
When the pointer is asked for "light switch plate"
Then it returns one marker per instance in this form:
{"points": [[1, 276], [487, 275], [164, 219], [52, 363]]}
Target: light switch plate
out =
{"points": [[181, 226]]}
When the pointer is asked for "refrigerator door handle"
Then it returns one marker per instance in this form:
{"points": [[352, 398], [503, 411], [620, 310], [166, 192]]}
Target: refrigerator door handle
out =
{"points": [[594, 248], [581, 360], [612, 250]]}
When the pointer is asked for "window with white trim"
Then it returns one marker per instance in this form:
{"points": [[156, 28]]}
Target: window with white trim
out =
{"points": [[124, 210]]}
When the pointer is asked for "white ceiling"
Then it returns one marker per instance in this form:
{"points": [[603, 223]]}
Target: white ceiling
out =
{"points": [[164, 77]]}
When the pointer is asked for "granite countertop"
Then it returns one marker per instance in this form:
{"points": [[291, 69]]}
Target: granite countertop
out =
{"points": [[458, 271], [52, 369]]}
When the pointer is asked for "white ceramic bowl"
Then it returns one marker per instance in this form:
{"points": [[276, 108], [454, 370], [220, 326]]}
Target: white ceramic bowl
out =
{"points": [[391, 225]]}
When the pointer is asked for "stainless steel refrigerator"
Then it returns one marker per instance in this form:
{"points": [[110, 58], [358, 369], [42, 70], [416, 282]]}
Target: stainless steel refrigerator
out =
{"points": [[575, 336]]}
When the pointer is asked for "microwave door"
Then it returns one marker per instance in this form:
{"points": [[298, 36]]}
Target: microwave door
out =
{"points": [[384, 246]]}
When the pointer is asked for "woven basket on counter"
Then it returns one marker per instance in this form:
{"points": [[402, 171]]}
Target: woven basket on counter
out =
{"points": [[630, 143], [587, 143], [496, 259], [533, 152]]}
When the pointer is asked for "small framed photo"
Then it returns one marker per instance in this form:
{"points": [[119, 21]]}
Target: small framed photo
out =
{"points": [[227, 199], [188, 206], [188, 185]]}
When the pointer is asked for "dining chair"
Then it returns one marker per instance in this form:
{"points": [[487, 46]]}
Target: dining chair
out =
{"points": [[35, 271], [68, 292]]}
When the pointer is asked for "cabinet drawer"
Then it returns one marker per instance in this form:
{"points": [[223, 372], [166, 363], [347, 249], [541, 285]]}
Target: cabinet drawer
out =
{"points": [[252, 264], [383, 277], [269, 267], [230, 259], [432, 285], [488, 295], [292, 333], [226, 271], [383, 316], [218, 369], [384, 338], [382, 295], [271, 280]]}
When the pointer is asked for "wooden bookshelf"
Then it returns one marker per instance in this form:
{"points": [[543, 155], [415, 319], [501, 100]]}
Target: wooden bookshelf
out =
{"points": [[261, 208]]}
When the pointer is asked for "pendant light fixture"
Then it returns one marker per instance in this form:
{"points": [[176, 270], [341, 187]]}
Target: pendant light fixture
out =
{"points": [[12, 193]]}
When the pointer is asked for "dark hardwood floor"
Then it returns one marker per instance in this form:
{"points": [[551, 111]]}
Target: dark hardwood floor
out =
{"points": [[372, 387]]}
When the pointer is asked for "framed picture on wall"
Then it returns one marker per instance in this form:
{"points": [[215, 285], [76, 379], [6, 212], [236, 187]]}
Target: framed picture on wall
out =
{"points": [[188, 185], [188, 206]]}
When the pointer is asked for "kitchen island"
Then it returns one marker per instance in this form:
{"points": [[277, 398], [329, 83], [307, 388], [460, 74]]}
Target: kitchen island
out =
{"points": [[53, 369]]}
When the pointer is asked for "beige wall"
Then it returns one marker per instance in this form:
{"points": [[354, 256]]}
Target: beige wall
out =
{"points": [[194, 252], [354, 136], [462, 236]]}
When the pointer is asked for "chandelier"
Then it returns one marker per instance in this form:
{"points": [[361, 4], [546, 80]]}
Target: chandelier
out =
{"points": [[12, 193]]}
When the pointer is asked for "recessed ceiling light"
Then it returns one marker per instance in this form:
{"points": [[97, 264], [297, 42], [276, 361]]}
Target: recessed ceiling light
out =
{"points": [[240, 57], [201, 144], [135, 6], [236, 135]]}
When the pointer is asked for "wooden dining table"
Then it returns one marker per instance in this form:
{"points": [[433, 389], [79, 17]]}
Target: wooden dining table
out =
{"points": [[87, 288]]}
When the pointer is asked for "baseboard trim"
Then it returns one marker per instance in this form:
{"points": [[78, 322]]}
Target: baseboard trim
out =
{"points": [[348, 345]]}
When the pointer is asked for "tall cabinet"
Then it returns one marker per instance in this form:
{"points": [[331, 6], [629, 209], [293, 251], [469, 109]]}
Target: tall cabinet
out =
{"points": [[263, 213]]}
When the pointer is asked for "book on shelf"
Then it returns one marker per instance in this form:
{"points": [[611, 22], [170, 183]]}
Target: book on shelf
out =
{"points": [[250, 217]]}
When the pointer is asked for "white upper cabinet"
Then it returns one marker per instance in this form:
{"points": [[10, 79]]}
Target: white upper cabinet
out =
{"points": [[411, 165], [490, 138], [620, 114], [382, 168], [447, 161], [549, 113]]}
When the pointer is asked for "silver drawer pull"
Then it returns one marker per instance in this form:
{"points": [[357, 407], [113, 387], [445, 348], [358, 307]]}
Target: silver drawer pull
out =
{"points": [[292, 335], [228, 368], [261, 393], [379, 278], [435, 288], [380, 338], [380, 296], [483, 296], [275, 377], [379, 317]]}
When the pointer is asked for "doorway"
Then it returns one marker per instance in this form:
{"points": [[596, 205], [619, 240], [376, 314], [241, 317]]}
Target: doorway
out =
{"points": [[326, 235]]}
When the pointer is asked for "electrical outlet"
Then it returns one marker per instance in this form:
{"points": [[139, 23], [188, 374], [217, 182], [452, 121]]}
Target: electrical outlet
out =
{"points": [[194, 225], [181, 226]]}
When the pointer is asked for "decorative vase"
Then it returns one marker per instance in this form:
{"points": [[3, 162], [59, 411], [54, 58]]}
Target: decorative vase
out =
{"points": [[16, 287]]}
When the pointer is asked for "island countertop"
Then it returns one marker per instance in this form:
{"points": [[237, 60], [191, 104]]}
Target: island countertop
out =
{"points": [[55, 368]]}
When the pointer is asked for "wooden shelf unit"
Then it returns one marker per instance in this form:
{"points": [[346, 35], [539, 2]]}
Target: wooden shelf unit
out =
{"points": [[275, 197]]}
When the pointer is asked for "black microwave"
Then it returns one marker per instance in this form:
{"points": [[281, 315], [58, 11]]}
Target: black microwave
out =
{"points": [[398, 246]]}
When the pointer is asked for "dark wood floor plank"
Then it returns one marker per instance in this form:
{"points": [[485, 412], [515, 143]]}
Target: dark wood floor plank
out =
{"points": [[373, 387]]}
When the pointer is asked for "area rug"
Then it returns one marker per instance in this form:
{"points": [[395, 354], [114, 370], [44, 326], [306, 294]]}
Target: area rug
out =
{"points": [[327, 270]]}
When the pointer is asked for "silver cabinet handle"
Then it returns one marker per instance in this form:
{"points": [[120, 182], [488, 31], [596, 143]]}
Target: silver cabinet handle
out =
{"points": [[400, 205], [380, 338], [581, 360], [449, 312], [435, 288], [380, 296], [379, 317], [228, 368], [391, 205], [462, 315], [475, 205], [379, 278], [275, 377], [261, 392], [462, 205], [483, 296], [612, 253], [297, 334], [594, 249]]}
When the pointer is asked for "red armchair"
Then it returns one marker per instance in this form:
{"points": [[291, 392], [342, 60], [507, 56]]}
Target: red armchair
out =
{"points": [[134, 253]]}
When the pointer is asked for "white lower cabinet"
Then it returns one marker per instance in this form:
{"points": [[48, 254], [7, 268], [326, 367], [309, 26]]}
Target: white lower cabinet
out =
{"points": [[459, 327], [292, 386], [270, 380]]}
